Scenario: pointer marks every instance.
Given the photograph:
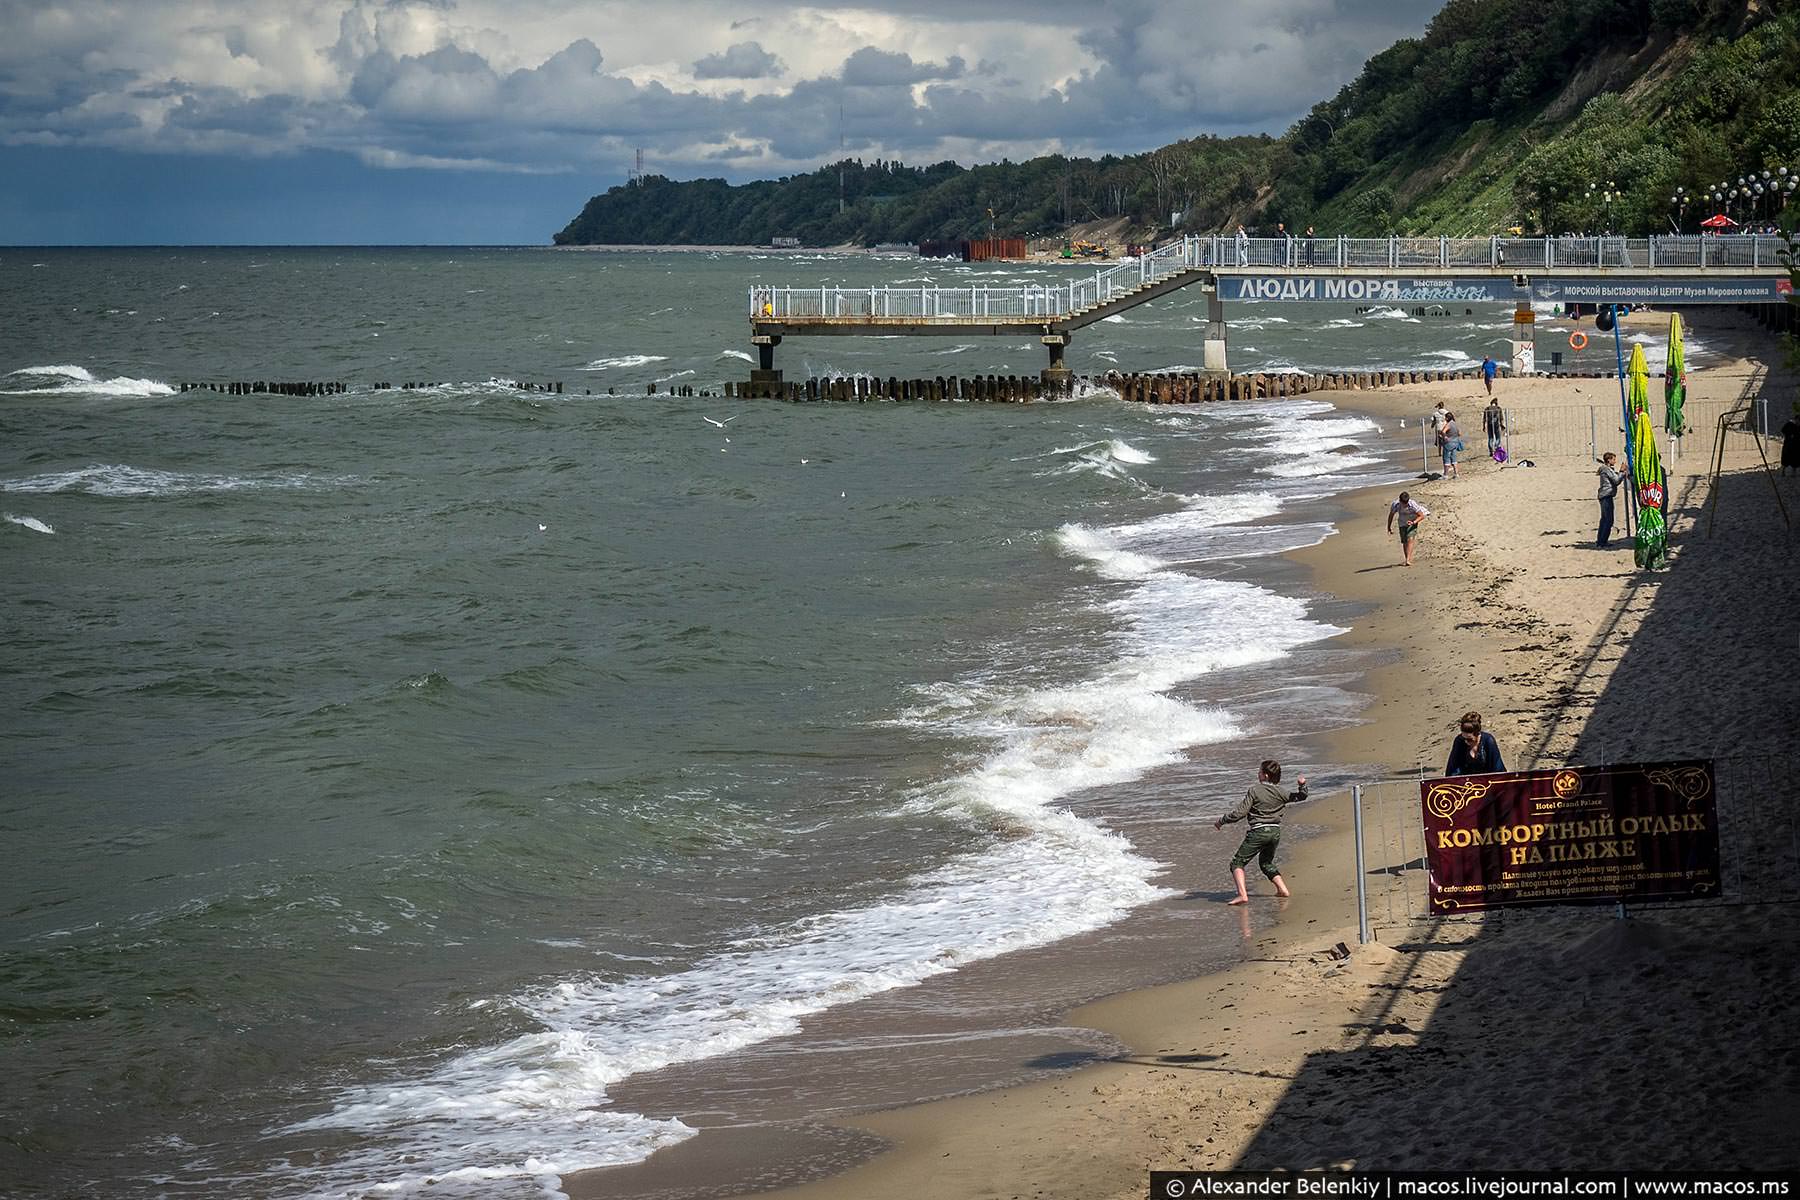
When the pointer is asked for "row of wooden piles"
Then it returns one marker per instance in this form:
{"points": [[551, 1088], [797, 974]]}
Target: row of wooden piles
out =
{"points": [[1139, 388]]}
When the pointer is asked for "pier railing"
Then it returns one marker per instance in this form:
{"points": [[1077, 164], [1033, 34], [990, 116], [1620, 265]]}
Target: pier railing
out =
{"points": [[1227, 255]]}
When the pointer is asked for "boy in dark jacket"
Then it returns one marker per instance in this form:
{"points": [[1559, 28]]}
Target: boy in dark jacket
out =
{"points": [[1262, 804]]}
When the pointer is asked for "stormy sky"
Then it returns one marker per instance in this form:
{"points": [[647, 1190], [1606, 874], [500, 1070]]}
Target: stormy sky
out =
{"points": [[491, 121]]}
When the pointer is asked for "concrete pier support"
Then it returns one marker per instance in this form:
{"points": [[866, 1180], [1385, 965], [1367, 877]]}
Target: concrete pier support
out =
{"points": [[1057, 377], [1212, 359], [765, 380]]}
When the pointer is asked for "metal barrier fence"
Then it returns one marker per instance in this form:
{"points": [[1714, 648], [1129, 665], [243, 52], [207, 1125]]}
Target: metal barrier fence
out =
{"points": [[1051, 301], [1577, 430], [1759, 842]]}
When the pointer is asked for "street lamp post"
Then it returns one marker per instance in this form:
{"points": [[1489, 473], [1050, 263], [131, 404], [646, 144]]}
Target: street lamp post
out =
{"points": [[1678, 202]]}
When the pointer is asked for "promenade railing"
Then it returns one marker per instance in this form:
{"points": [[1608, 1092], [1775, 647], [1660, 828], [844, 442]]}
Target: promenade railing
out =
{"points": [[1051, 301]]}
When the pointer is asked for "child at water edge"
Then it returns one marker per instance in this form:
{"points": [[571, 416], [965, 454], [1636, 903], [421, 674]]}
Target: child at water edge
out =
{"points": [[1410, 512], [1262, 805]]}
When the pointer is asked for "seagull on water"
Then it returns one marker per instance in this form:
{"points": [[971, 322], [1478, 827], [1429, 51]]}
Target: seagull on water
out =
{"points": [[716, 421]]}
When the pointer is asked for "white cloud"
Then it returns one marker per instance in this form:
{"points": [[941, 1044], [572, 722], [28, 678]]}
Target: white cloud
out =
{"points": [[552, 85]]}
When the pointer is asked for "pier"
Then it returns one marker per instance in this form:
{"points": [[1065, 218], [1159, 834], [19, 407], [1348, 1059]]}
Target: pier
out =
{"points": [[1675, 270]]}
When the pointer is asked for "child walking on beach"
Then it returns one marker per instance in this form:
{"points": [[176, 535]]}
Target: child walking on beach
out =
{"points": [[1262, 804], [1410, 512]]}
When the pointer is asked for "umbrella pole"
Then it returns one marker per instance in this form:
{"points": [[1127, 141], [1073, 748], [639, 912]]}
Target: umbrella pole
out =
{"points": [[1625, 411]]}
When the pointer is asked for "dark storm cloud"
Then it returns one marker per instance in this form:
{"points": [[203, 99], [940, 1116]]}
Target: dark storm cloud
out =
{"points": [[490, 84]]}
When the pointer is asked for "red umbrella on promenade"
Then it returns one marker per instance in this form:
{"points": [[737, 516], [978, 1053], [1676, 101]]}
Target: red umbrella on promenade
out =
{"points": [[1717, 221]]}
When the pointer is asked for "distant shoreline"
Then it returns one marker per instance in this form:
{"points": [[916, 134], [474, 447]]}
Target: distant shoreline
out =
{"points": [[693, 249]]}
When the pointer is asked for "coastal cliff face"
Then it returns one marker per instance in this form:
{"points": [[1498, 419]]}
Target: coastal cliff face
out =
{"points": [[1501, 114]]}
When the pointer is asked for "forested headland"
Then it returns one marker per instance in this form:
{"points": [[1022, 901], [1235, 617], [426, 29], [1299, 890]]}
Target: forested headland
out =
{"points": [[1548, 115]]}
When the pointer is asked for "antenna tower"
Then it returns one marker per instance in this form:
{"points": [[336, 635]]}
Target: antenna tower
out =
{"points": [[637, 172], [840, 156]]}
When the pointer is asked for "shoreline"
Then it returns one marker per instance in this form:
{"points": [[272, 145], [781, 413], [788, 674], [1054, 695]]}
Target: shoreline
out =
{"points": [[1210, 1065]]}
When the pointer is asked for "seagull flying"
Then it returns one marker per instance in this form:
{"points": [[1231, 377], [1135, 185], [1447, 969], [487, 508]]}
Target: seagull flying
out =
{"points": [[715, 421]]}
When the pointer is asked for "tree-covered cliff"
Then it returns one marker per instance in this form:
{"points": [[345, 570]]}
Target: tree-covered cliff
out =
{"points": [[1505, 112]]}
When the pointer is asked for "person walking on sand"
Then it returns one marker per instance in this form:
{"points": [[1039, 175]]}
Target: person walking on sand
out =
{"points": [[1610, 479], [1410, 512], [1493, 419], [1262, 805], [1489, 368], [1473, 752], [1450, 444], [1243, 247]]}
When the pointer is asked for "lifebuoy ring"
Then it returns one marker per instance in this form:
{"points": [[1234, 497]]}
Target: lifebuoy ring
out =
{"points": [[1578, 340]]}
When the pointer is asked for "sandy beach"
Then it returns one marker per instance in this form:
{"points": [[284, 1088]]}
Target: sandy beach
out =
{"points": [[1535, 1038]]}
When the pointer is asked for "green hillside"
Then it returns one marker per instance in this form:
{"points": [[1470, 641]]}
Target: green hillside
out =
{"points": [[1505, 112]]}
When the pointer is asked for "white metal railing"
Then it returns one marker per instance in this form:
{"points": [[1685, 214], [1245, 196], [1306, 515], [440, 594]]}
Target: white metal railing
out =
{"points": [[1228, 255]]}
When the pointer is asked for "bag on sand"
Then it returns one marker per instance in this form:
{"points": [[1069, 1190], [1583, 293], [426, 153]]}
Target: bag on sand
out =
{"points": [[1499, 454]]}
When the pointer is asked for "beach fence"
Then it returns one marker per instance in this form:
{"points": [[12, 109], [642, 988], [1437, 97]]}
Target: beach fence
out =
{"points": [[1759, 845], [1589, 430]]}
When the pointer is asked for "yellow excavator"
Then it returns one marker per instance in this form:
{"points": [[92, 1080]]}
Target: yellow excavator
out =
{"points": [[1081, 249]]}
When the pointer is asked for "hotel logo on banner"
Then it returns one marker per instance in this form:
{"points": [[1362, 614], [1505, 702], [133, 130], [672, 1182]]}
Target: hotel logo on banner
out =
{"points": [[1575, 835]]}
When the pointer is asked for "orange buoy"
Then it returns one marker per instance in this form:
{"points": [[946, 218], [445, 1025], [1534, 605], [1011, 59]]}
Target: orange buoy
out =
{"points": [[1578, 340]]}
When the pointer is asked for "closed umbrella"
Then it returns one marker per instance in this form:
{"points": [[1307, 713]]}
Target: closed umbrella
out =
{"points": [[1675, 382], [1651, 548]]}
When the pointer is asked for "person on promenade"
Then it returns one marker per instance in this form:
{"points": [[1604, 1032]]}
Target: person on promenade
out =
{"points": [[1311, 243], [1262, 804], [1790, 443], [1287, 243], [1473, 752], [1488, 370], [1410, 512], [1610, 479], [1450, 444], [1493, 419], [1243, 247]]}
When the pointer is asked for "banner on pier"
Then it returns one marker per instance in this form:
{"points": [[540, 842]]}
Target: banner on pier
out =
{"points": [[1378, 289], [1574, 835]]}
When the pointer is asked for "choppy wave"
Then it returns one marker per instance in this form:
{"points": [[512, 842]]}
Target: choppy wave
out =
{"points": [[119, 480], [31, 523], [624, 360], [79, 381]]}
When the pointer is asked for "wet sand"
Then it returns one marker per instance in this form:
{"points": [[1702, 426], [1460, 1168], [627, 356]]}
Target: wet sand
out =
{"points": [[1536, 1038]]}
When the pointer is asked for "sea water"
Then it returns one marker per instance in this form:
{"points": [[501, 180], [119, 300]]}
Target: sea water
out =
{"points": [[388, 775]]}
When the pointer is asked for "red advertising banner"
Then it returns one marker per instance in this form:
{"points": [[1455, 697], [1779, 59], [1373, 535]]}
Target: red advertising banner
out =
{"points": [[1575, 835]]}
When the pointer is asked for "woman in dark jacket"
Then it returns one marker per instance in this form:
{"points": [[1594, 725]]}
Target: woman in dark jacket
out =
{"points": [[1473, 752]]}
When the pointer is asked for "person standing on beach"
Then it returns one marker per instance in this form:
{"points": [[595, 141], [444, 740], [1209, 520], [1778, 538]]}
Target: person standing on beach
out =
{"points": [[1450, 444], [1439, 415], [1610, 479], [1243, 247], [1493, 419], [1262, 805], [1790, 443], [1473, 752], [1488, 370], [1410, 512]]}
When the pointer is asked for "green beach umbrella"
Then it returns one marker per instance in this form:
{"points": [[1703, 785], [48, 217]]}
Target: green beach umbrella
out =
{"points": [[1651, 548], [1675, 382]]}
